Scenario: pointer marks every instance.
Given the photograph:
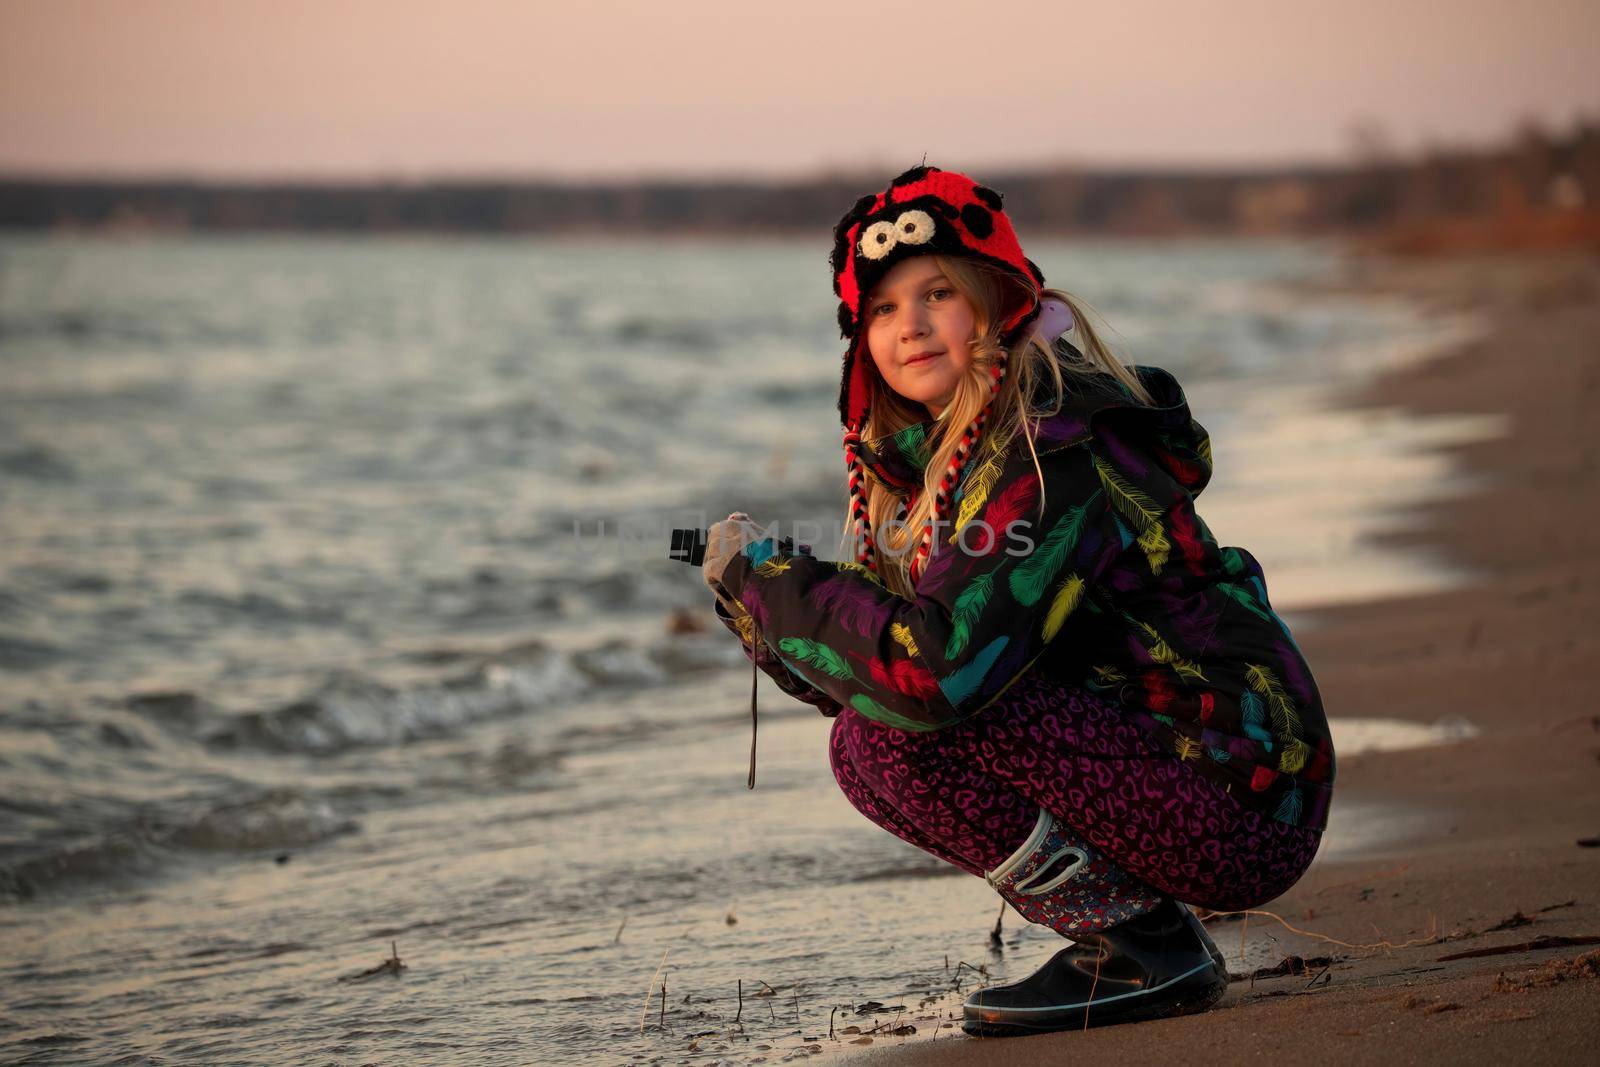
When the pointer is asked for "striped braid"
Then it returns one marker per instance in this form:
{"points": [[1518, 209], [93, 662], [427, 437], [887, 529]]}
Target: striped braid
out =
{"points": [[857, 475]]}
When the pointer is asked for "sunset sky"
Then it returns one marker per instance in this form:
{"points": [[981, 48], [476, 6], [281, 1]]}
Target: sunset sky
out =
{"points": [[599, 88]]}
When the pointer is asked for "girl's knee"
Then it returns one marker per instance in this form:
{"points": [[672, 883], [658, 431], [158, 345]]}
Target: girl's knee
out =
{"points": [[878, 756]]}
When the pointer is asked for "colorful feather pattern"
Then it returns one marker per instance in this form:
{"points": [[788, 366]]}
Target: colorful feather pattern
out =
{"points": [[969, 605], [1131, 502], [860, 570], [1161, 652], [1120, 452], [910, 442], [940, 560], [1255, 718], [964, 682], [1035, 574], [1107, 676], [1194, 619], [856, 607], [975, 490], [771, 568], [1184, 472], [1156, 547], [746, 627], [1289, 808], [1285, 716], [1012, 503], [901, 633], [1065, 602], [1242, 596], [878, 713], [1294, 756], [1180, 520], [1006, 668], [1294, 674], [758, 552], [818, 655], [902, 636], [904, 676], [1061, 429], [750, 597]]}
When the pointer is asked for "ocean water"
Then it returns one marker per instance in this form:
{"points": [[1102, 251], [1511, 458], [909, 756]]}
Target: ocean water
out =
{"points": [[335, 615]]}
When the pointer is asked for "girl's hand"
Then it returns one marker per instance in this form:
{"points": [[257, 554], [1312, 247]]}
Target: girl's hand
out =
{"points": [[723, 541]]}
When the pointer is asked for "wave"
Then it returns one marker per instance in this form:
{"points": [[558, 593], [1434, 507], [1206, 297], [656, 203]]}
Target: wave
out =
{"points": [[274, 820], [351, 710]]}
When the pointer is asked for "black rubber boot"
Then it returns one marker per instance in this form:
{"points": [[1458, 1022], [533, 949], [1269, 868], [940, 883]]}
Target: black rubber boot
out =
{"points": [[1159, 964]]}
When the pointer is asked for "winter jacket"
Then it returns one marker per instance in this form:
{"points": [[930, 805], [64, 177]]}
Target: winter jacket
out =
{"points": [[1118, 587]]}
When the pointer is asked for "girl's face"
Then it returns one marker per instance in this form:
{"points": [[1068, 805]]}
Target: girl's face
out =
{"points": [[919, 331]]}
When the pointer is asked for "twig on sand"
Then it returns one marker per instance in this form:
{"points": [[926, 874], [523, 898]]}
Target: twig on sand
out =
{"points": [[663, 1023], [994, 935], [741, 1001], [650, 987], [1537, 944], [620, 925]]}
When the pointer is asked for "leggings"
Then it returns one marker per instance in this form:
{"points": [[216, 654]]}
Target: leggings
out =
{"points": [[971, 793]]}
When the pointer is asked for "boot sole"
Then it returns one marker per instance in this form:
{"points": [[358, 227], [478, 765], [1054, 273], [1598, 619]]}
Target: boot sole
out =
{"points": [[1187, 994]]}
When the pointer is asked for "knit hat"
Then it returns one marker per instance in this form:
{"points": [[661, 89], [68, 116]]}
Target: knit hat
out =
{"points": [[924, 211]]}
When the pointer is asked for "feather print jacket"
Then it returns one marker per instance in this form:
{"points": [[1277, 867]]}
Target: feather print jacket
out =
{"points": [[1118, 586]]}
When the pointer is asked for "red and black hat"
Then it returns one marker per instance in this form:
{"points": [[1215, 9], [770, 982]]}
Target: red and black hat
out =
{"points": [[924, 211]]}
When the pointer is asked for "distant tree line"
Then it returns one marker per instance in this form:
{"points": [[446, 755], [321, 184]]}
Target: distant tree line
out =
{"points": [[1534, 174]]}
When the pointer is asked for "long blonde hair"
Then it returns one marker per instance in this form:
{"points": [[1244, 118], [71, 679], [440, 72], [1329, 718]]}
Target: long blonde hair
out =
{"points": [[991, 292]]}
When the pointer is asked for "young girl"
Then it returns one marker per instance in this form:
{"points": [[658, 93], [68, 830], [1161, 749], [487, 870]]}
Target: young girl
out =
{"points": [[1042, 666]]}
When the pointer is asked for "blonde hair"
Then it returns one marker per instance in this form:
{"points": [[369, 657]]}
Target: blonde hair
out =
{"points": [[991, 291]]}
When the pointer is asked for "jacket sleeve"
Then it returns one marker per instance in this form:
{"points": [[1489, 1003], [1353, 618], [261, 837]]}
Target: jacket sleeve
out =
{"points": [[994, 593], [785, 677]]}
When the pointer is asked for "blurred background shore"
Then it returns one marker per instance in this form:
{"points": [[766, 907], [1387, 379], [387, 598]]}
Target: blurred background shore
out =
{"points": [[1539, 187]]}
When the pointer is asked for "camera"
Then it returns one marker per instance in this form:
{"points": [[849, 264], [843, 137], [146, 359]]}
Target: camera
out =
{"points": [[689, 546]]}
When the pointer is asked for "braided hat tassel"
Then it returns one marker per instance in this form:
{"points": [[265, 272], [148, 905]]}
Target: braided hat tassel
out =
{"points": [[857, 475]]}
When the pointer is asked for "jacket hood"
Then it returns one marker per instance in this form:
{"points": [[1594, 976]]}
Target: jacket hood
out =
{"points": [[1164, 429]]}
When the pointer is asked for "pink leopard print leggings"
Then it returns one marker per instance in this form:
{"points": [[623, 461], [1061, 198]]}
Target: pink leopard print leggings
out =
{"points": [[970, 794]]}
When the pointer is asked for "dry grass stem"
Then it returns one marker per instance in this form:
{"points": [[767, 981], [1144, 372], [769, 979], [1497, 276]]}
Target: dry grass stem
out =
{"points": [[1381, 945], [649, 987]]}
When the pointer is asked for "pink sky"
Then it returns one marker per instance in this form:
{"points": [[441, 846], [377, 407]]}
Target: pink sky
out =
{"points": [[590, 88]]}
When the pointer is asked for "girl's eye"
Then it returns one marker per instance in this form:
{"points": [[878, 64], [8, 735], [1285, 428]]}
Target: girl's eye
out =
{"points": [[938, 292], [881, 309]]}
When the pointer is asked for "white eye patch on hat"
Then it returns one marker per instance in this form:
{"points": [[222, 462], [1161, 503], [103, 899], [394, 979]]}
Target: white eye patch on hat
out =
{"points": [[914, 227]]}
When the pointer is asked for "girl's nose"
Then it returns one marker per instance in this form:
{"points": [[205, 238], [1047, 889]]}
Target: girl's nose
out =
{"points": [[913, 324]]}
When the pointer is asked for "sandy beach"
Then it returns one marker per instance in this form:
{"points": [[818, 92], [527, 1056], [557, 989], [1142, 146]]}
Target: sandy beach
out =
{"points": [[1481, 938]]}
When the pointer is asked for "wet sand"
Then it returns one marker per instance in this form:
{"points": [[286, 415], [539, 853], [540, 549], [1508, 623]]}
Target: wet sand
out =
{"points": [[1516, 810]]}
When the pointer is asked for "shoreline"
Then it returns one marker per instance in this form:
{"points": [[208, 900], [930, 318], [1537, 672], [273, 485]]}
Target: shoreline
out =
{"points": [[1508, 652]]}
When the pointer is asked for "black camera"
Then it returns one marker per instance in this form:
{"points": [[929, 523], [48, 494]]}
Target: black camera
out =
{"points": [[689, 546]]}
